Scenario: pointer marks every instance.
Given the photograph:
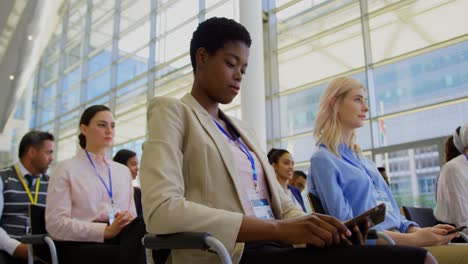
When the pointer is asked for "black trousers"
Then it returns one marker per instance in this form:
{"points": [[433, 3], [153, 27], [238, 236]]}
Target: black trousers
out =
{"points": [[274, 253], [125, 248], [6, 258]]}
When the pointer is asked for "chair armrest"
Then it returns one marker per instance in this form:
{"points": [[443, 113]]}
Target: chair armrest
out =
{"points": [[386, 237], [374, 234], [38, 240], [186, 240], [464, 236], [33, 239]]}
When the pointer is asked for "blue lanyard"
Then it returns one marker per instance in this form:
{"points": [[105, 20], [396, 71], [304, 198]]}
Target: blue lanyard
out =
{"points": [[466, 156], [243, 148], [108, 189]]}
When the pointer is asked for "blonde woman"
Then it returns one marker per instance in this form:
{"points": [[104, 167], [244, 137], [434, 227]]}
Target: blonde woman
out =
{"points": [[347, 183]]}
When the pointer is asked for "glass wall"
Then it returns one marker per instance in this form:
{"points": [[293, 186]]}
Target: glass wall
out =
{"points": [[120, 54], [415, 69], [123, 53]]}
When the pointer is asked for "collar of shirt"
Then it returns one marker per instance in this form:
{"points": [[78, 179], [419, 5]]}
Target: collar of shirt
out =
{"points": [[23, 170], [82, 154]]}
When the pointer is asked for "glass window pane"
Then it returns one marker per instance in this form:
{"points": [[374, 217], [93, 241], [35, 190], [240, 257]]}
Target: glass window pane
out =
{"points": [[133, 11], [47, 93], [99, 61], [412, 174], [228, 9], [66, 148], [135, 40], [179, 12], [72, 55], [49, 71], [47, 112], [301, 147], [132, 124], [98, 85], [130, 68], [71, 78], [438, 76], [70, 100], [178, 42], [430, 123], [101, 33], [311, 49], [413, 25]]}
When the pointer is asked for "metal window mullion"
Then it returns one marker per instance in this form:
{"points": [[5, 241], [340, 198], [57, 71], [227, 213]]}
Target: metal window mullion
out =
{"points": [[35, 94], [152, 49], [39, 94], [115, 55], [61, 72], [85, 48], [273, 105], [201, 11], [368, 64]]}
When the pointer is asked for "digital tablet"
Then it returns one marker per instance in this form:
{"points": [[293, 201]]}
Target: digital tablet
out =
{"points": [[375, 216]]}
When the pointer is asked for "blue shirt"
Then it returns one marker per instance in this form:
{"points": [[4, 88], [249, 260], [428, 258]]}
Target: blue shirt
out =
{"points": [[350, 186]]}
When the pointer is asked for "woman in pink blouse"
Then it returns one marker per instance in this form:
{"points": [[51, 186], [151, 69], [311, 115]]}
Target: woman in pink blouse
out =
{"points": [[90, 199]]}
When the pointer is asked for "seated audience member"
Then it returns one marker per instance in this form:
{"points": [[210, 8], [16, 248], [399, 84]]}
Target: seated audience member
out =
{"points": [[22, 184], [202, 171], [451, 150], [349, 184], [384, 174], [299, 180], [452, 185], [90, 199], [283, 164], [130, 159]]}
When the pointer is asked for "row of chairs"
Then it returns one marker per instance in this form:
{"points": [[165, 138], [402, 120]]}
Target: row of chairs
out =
{"points": [[41, 245]]}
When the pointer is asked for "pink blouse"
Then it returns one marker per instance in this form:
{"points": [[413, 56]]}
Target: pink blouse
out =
{"points": [[78, 204], [245, 176]]}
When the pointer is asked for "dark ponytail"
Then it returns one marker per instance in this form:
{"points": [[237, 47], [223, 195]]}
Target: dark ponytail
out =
{"points": [[86, 117], [274, 155]]}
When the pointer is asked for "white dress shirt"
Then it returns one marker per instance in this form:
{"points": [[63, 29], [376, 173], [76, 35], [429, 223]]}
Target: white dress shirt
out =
{"points": [[452, 192]]}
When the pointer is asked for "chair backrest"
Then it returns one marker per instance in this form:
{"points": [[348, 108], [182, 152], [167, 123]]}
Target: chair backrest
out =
{"points": [[315, 203], [38, 227], [37, 218], [423, 216]]}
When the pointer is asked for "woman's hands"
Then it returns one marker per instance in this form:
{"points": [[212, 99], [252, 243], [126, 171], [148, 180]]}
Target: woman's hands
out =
{"points": [[122, 219], [433, 236], [315, 229]]}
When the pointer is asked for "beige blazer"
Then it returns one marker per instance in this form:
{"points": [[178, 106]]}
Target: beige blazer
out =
{"points": [[189, 181]]}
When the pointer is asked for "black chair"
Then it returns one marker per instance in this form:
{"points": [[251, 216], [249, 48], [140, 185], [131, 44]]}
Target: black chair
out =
{"points": [[373, 234], [187, 240], [424, 217], [38, 238]]}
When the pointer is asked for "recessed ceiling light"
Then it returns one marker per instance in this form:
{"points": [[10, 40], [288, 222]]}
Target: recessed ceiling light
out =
{"points": [[12, 77], [30, 37]]}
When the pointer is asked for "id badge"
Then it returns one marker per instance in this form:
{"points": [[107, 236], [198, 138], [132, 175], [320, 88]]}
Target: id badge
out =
{"points": [[260, 205], [111, 215], [382, 197]]}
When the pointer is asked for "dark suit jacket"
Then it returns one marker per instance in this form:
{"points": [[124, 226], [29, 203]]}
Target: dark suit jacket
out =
{"points": [[298, 196], [137, 197]]}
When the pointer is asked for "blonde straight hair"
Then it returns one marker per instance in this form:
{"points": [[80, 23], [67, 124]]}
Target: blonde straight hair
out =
{"points": [[327, 126]]}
